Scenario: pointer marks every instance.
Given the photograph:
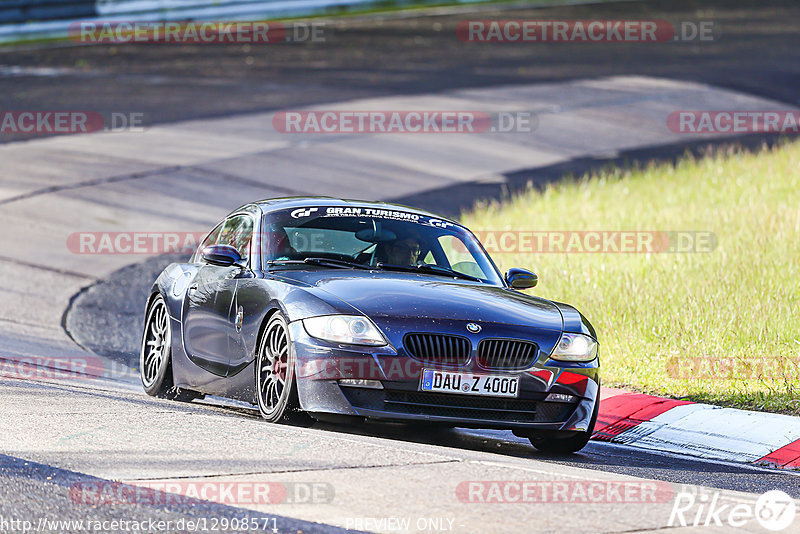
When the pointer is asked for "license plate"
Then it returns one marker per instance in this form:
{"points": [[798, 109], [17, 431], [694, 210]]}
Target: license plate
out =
{"points": [[469, 384]]}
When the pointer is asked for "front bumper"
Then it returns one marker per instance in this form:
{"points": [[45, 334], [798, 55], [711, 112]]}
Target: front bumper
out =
{"points": [[320, 365]]}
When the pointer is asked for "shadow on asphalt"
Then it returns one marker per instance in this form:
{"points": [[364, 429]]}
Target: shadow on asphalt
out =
{"points": [[453, 200], [69, 495], [610, 458], [599, 456]]}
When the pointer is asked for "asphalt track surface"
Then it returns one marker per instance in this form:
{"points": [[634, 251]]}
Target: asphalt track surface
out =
{"points": [[29, 489], [757, 51]]}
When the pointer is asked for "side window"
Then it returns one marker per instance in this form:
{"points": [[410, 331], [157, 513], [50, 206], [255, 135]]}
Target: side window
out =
{"points": [[237, 232], [211, 239]]}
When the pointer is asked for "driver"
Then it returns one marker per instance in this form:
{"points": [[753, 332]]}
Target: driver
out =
{"points": [[402, 251], [276, 244]]}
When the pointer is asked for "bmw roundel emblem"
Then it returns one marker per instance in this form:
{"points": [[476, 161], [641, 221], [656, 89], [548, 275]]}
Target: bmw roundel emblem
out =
{"points": [[474, 328]]}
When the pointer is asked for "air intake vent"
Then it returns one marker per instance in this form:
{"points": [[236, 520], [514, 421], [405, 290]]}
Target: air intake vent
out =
{"points": [[506, 353], [438, 349]]}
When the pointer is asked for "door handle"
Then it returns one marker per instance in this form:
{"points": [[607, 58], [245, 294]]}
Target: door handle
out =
{"points": [[239, 319]]}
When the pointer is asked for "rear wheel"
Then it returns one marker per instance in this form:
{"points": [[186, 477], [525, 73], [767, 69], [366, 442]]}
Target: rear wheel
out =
{"points": [[276, 388], [552, 443], [155, 357]]}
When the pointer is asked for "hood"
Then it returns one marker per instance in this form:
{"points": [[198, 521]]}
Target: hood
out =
{"points": [[391, 294]]}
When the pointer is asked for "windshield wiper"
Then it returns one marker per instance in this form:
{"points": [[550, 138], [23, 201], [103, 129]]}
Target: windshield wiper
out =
{"points": [[427, 268], [325, 262]]}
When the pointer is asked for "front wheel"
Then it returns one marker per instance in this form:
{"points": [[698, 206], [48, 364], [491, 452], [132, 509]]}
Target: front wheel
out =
{"points": [[276, 388], [553, 444]]}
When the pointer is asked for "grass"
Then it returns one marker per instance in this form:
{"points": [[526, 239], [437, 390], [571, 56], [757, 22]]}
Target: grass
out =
{"points": [[377, 7], [721, 327], [391, 6]]}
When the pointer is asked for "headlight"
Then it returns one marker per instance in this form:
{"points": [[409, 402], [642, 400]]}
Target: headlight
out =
{"points": [[349, 329], [575, 348]]}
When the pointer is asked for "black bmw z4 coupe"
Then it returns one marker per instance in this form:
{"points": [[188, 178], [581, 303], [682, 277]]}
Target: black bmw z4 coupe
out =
{"points": [[322, 308]]}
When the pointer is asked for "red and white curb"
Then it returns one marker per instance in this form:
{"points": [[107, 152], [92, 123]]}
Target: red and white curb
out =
{"points": [[701, 430]]}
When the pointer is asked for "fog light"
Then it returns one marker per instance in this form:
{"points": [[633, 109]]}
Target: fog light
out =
{"points": [[560, 397], [361, 383]]}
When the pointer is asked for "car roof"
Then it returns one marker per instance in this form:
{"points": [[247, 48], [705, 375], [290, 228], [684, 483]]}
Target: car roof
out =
{"points": [[272, 204]]}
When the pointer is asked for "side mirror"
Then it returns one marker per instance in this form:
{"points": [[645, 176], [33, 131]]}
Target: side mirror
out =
{"points": [[521, 279], [222, 255]]}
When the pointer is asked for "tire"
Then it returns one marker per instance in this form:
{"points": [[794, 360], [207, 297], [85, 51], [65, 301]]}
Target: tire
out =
{"points": [[155, 356], [555, 445], [276, 385]]}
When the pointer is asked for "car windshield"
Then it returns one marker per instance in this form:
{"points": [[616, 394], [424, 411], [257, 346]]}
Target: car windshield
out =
{"points": [[379, 238]]}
